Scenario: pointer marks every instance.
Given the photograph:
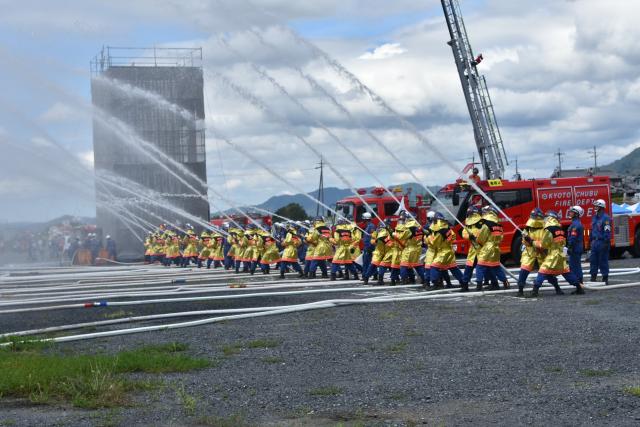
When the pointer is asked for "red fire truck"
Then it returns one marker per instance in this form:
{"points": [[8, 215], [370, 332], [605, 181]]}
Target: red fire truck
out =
{"points": [[383, 204], [242, 220]]}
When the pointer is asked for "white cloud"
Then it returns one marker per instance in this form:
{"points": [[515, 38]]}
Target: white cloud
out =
{"points": [[59, 112], [384, 51]]}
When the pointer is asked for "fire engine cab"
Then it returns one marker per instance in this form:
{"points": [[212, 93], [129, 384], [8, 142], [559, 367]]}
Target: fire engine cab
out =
{"points": [[384, 205]]}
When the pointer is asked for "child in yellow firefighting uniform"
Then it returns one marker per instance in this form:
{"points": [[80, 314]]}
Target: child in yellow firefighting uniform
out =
{"points": [[323, 251], [411, 237], [391, 258], [343, 242], [531, 255], [441, 241], [190, 252], [290, 254], [270, 253], [489, 239], [555, 262]]}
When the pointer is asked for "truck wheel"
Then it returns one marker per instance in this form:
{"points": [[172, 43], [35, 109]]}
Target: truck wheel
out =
{"points": [[516, 249], [635, 249], [617, 253]]}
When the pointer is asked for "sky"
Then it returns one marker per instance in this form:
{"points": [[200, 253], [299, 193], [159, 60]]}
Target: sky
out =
{"points": [[562, 76]]}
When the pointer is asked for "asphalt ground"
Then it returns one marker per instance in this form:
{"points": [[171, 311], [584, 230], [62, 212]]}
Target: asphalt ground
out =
{"points": [[494, 359]]}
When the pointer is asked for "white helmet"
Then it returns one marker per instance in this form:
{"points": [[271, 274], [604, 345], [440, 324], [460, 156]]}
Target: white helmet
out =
{"points": [[577, 210], [599, 203], [431, 214], [366, 215]]}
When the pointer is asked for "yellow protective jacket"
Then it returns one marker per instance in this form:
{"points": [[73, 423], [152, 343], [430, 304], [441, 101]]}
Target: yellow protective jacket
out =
{"points": [[148, 246], [393, 251], [378, 239], [311, 247], [291, 243], [343, 241], [270, 254], [233, 235], [431, 252], [489, 238], [553, 241], [206, 248], [254, 246], [217, 247], [241, 247], [411, 236], [172, 248], [356, 236], [531, 254], [320, 238], [441, 242], [473, 224], [191, 247]]}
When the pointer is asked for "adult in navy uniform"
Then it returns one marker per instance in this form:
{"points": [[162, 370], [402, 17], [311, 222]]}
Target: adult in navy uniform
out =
{"points": [[575, 242], [600, 242]]}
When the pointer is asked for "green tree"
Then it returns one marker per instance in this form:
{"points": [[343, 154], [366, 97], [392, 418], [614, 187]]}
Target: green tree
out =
{"points": [[293, 211]]}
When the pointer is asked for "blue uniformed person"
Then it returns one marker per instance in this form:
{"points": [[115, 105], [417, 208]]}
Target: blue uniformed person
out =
{"points": [[368, 247], [600, 242], [575, 242]]}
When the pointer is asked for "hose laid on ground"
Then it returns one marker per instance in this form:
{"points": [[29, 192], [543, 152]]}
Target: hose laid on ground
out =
{"points": [[299, 308]]}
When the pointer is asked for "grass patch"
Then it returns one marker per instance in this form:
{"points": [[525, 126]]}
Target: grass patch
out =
{"points": [[230, 421], [596, 372], [397, 348], [633, 391], [231, 349], [273, 360], [87, 381], [263, 343], [326, 391], [553, 369], [412, 334], [387, 315], [188, 401], [118, 314]]}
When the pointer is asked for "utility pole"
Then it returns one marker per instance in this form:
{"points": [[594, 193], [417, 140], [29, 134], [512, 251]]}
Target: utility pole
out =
{"points": [[559, 154], [320, 197], [517, 176], [594, 154]]}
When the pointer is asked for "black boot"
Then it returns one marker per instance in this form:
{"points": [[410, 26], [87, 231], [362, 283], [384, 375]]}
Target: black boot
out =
{"points": [[340, 274], [506, 284], [300, 274], [346, 276], [594, 277], [464, 287], [333, 277], [380, 281], [282, 274], [393, 282], [558, 289], [578, 291], [534, 292], [478, 287], [355, 276], [605, 279], [365, 280], [520, 289], [324, 275]]}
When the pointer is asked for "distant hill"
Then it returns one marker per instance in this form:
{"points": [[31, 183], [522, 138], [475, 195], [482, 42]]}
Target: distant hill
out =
{"points": [[628, 165]]}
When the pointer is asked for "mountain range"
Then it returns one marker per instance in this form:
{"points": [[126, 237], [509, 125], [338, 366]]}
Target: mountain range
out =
{"points": [[628, 165]]}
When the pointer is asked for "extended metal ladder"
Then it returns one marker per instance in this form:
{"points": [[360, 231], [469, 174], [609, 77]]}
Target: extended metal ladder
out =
{"points": [[476, 94]]}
